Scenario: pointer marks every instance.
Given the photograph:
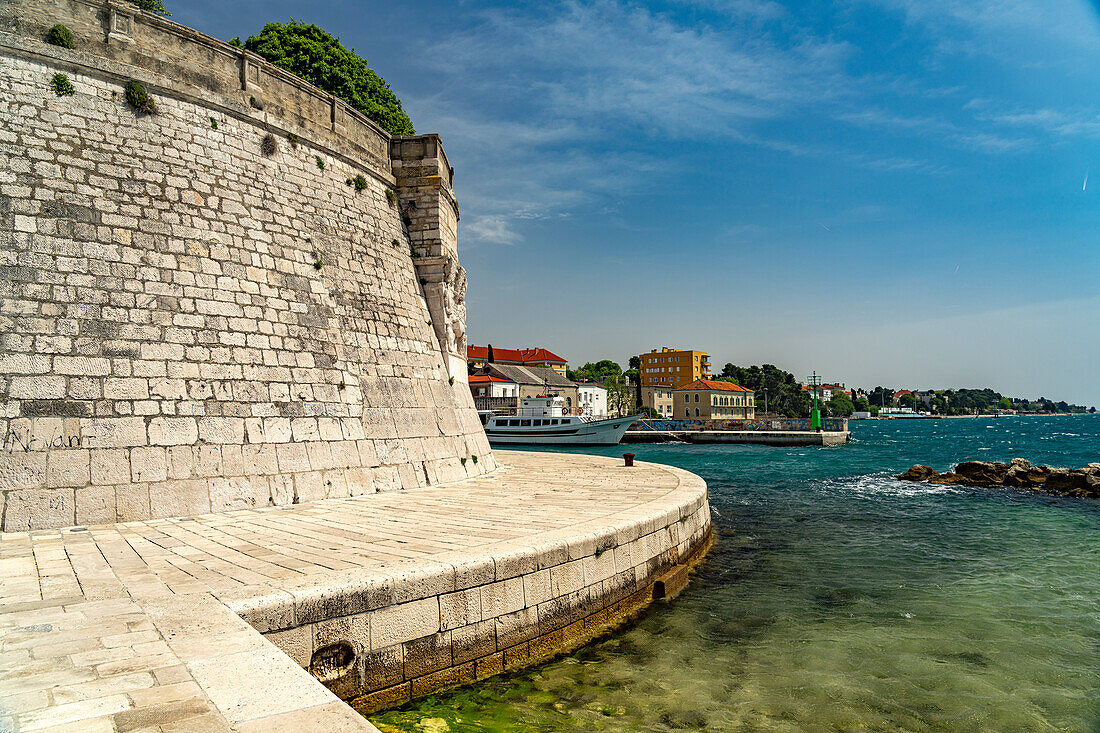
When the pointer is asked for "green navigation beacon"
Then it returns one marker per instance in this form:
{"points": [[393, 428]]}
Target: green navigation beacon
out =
{"points": [[814, 383]]}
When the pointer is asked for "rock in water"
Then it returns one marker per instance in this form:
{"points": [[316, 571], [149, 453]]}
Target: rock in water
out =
{"points": [[950, 479], [1065, 481], [983, 473], [1020, 474], [919, 473]]}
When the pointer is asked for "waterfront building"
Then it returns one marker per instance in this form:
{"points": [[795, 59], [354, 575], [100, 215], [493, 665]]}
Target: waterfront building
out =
{"points": [[659, 398], [673, 367], [493, 392], [478, 356], [591, 399], [826, 391], [531, 382], [663, 370], [708, 399]]}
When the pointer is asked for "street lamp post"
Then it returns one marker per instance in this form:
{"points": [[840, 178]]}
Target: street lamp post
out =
{"points": [[765, 403]]}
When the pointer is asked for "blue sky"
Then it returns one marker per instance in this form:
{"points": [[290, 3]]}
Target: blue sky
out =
{"points": [[886, 191]]}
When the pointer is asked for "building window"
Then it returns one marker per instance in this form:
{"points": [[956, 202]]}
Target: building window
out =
{"points": [[696, 396], [687, 412], [696, 412]]}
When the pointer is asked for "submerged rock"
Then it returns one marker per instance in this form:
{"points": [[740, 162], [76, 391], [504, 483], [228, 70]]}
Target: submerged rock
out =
{"points": [[1019, 474]]}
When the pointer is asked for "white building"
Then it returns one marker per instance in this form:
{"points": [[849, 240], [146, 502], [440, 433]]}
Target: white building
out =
{"points": [[484, 385], [591, 399]]}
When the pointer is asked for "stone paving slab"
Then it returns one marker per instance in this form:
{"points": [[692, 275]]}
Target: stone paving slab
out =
{"points": [[141, 625]]}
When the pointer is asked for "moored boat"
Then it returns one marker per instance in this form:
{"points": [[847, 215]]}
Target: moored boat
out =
{"points": [[542, 420]]}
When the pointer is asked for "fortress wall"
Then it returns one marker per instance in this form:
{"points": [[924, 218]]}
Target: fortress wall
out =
{"points": [[188, 325]]}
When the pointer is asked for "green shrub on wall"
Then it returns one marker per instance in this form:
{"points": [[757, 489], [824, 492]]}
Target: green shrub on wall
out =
{"points": [[59, 35], [358, 182], [139, 99], [319, 58], [62, 86]]}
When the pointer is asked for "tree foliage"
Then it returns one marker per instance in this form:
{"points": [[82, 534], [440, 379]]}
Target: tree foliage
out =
{"points": [[840, 405], [153, 6], [595, 372], [310, 52], [785, 395]]}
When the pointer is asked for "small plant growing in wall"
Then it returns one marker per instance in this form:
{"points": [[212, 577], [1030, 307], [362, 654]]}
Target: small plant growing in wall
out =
{"points": [[451, 381], [320, 162], [413, 252], [213, 124], [359, 183], [474, 459], [59, 35], [318, 262], [395, 243], [462, 461], [292, 139], [391, 196], [270, 145], [62, 86], [139, 99]]}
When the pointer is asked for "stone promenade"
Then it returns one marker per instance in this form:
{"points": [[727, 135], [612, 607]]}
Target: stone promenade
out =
{"points": [[142, 625]]}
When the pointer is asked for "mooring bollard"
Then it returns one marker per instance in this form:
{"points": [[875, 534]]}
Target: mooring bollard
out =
{"points": [[628, 458]]}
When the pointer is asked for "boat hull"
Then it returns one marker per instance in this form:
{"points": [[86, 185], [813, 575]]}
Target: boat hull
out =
{"points": [[599, 432]]}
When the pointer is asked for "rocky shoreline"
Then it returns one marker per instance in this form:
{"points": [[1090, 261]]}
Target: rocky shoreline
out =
{"points": [[1019, 474]]}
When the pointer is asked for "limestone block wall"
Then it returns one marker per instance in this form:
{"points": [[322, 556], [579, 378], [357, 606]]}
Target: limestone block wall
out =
{"points": [[379, 640], [188, 324]]}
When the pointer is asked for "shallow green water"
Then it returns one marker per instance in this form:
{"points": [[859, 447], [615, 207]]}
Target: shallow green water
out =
{"points": [[838, 599]]}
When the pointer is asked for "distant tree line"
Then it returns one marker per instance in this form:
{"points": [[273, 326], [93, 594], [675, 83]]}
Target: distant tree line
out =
{"points": [[785, 396], [964, 402]]}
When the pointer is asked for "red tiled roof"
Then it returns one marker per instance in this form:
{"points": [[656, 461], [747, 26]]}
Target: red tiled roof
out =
{"points": [[701, 385], [522, 356], [901, 393], [483, 378]]}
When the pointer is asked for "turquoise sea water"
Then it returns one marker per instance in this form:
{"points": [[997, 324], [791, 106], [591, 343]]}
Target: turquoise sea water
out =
{"points": [[838, 599]]}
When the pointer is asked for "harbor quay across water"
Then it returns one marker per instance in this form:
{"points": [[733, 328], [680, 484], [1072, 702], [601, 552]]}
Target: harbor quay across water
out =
{"points": [[266, 619], [748, 437], [768, 431]]}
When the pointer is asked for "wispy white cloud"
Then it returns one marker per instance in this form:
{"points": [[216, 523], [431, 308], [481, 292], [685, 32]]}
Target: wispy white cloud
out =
{"points": [[995, 27], [972, 136], [493, 229], [568, 106]]}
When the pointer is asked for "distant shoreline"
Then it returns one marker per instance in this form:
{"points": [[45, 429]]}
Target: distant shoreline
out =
{"points": [[974, 417]]}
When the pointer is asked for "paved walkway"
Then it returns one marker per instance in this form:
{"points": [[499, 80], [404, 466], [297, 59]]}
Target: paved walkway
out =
{"points": [[128, 626]]}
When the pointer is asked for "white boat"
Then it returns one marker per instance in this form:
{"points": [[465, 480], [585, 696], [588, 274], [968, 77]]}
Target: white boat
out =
{"points": [[542, 420]]}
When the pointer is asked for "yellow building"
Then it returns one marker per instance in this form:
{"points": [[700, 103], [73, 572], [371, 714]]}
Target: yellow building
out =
{"points": [[667, 367], [707, 399]]}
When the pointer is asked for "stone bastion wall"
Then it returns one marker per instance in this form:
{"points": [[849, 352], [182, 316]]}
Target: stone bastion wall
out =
{"points": [[197, 311]]}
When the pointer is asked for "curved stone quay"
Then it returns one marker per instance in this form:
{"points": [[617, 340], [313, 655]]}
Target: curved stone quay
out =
{"points": [[233, 621]]}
